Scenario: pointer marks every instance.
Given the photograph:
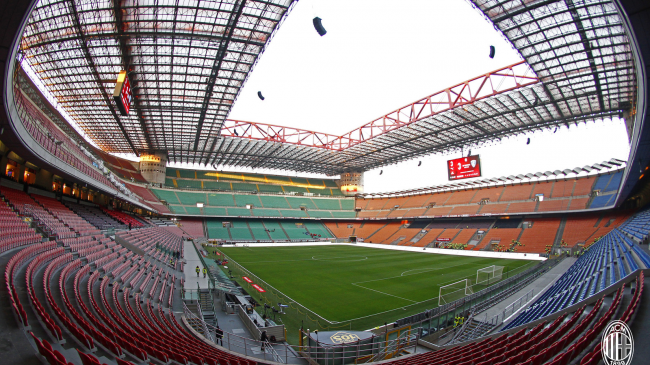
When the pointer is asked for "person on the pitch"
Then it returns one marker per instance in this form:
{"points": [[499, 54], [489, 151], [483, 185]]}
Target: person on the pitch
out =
{"points": [[198, 271], [205, 271]]}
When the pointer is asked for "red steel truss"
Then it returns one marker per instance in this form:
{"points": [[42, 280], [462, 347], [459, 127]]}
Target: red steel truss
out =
{"points": [[493, 83]]}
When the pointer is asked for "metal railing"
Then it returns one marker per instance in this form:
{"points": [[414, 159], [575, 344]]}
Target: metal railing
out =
{"points": [[283, 352], [243, 345]]}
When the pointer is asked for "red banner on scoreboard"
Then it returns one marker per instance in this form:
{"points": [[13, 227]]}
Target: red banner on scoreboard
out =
{"points": [[259, 288], [464, 167], [247, 279]]}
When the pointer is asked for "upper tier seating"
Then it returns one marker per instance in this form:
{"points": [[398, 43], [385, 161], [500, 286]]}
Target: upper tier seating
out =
{"points": [[13, 231], [560, 195], [233, 181], [235, 205]]}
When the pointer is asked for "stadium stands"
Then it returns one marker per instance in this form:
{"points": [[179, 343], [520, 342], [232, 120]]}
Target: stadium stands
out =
{"points": [[558, 196]]}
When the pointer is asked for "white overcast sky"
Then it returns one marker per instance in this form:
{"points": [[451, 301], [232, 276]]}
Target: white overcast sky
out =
{"points": [[380, 55]]}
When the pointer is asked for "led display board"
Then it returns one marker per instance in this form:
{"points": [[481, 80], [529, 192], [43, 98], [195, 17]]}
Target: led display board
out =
{"points": [[464, 168]]}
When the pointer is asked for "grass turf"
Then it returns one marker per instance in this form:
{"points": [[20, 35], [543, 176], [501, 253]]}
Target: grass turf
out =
{"points": [[367, 286]]}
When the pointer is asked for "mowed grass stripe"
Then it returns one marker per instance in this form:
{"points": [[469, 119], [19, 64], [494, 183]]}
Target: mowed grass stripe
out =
{"points": [[345, 282]]}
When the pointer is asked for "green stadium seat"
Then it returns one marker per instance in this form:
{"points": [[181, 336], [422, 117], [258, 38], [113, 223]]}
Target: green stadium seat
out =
{"points": [[166, 195], [193, 210], [328, 204], [191, 198], [266, 213], [294, 213], [330, 183], [243, 200], [294, 233], [336, 192], [275, 231], [299, 180], [274, 201], [318, 228], [216, 230], [320, 213], [259, 234], [296, 203], [171, 172], [343, 214], [316, 182], [189, 184], [243, 187], [169, 182], [207, 175], [177, 209], [214, 211], [296, 189], [243, 234], [221, 200], [347, 204], [275, 179], [237, 212], [188, 174], [266, 188], [216, 185]]}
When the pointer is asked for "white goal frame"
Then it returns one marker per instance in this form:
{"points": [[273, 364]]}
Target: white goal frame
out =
{"points": [[467, 290], [494, 274]]}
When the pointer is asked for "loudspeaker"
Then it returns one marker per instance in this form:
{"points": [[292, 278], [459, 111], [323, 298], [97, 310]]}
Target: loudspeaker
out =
{"points": [[528, 142], [259, 95], [492, 51], [420, 163], [319, 26]]}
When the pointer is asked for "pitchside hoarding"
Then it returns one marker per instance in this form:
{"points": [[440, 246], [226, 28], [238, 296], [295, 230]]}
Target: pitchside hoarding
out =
{"points": [[464, 168]]}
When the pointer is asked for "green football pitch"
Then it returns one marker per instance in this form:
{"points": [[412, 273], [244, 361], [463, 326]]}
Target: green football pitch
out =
{"points": [[353, 287]]}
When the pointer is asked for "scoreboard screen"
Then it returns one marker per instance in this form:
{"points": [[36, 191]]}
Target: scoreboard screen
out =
{"points": [[464, 168], [122, 94]]}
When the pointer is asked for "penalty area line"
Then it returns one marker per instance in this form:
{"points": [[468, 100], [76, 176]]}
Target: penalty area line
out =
{"points": [[381, 292]]}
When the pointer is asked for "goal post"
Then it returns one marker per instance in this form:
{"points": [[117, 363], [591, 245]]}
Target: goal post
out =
{"points": [[489, 275], [454, 291]]}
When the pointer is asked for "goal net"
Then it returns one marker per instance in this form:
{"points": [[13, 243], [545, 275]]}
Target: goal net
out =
{"points": [[454, 291], [488, 275]]}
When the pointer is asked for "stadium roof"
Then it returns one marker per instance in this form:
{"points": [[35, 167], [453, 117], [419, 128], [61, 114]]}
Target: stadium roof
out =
{"points": [[188, 63]]}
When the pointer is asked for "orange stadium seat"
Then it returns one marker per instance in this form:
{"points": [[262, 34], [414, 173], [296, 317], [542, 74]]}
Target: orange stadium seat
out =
{"points": [[517, 192], [553, 205], [578, 203], [542, 233], [493, 194], [493, 208], [584, 186], [503, 235], [562, 188], [521, 207], [461, 197]]}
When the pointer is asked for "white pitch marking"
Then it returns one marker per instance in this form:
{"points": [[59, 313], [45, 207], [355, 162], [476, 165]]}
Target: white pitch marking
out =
{"points": [[381, 292]]}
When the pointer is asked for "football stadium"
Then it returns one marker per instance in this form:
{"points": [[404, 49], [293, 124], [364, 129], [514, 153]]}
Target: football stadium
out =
{"points": [[180, 184]]}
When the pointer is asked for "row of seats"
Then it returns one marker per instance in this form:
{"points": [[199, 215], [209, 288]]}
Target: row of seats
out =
{"points": [[58, 144], [65, 215], [557, 343], [95, 216], [266, 230], [605, 262], [256, 201], [126, 219], [159, 243]]}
